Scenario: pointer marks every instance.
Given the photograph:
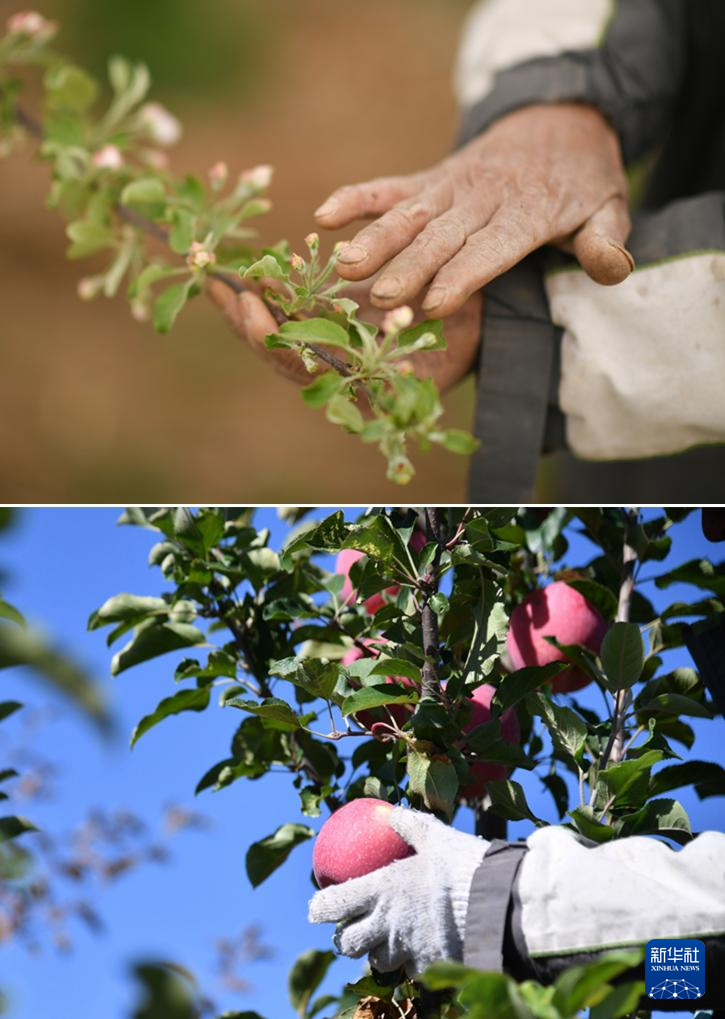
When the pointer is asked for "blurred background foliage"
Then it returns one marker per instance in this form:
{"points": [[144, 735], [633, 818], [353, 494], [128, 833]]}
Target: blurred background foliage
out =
{"points": [[94, 406]]}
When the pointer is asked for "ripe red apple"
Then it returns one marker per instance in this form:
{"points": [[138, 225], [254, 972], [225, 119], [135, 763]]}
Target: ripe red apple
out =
{"points": [[356, 840], [400, 712], [510, 732], [375, 602], [560, 611]]}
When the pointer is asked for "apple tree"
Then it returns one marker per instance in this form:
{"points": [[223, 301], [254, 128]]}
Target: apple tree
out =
{"points": [[358, 681]]}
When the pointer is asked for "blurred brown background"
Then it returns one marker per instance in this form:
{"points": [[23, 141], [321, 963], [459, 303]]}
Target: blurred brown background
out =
{"points": [[95, 407]]}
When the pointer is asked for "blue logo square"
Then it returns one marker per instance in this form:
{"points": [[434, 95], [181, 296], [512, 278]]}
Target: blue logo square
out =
{"points": [[675, 968]]}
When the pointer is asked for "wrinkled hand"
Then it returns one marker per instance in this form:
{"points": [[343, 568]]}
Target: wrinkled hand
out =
{"points": [[252, 321], [543, 174], [413, 912]]}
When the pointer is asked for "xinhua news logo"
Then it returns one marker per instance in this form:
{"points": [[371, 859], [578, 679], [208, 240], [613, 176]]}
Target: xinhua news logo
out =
{"points": [[675, 968]]}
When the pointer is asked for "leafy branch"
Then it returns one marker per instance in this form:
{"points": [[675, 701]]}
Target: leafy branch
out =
{"points": [[110, 179]]}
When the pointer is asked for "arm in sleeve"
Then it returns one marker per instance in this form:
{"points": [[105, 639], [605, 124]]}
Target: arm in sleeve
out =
{"points": [[570, 901], [627, 59]]}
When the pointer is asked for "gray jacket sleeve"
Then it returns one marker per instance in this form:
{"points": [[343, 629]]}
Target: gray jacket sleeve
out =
{"points": [[538, 907], [627, 58]]}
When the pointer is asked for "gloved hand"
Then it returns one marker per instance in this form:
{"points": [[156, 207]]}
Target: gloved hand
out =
{"points": [[413, 912]]}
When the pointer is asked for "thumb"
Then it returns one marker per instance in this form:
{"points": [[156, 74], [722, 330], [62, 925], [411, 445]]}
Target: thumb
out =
{"points": [[416, 827], [599, 245]]}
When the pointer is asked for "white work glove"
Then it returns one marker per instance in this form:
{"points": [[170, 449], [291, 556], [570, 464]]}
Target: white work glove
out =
{"points": [[412, 912]]}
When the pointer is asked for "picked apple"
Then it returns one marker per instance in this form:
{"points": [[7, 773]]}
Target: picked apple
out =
{"points": [[356, 840]]}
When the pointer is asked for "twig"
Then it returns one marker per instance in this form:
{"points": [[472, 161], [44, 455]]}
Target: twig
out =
{"points": [[34, 128], [429, 620]]}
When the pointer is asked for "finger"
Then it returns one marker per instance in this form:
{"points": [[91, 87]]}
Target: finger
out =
{"points": [[248, 315], [512, 233], [359, 938], [407, 274], [363, 201], [347, 900], [600, 244], [415, 827], [389, 235]]}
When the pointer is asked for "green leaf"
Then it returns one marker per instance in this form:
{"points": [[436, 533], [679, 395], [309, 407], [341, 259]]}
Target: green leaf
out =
{"points": [[316, 330], [621, 1001], [509, 800], [88, 237], [322, 389], [8, 708], [433, 328], [600, 596], [434, 779], [622, 655], [342, 411], [707, 778], [267, 267], [265, 856], [568, 731], [516, 685], [153, 639], [8, 611], [584, 986], [659, 817], [169, 305], [69, 88], [375, 697], [185, 700], [590, 827], [127, 608], [183, 231], [457, 441], [30, 648], [168, 992], [441, 975], [306, 975], [396, 667], [675, 704], [628, 782], [276, 713], [144, 190], [13, 827]]}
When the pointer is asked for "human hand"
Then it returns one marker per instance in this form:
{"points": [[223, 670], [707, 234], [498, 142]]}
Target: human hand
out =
{"points": [[412, 912], [252, 320], [542, 174]]}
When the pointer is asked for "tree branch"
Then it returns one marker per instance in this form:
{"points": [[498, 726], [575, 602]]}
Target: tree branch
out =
{"points": [[429, 620], [35, 128]]}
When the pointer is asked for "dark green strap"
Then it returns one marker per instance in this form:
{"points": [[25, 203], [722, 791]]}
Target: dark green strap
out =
{"points": [[514, 386], [488, 905]]}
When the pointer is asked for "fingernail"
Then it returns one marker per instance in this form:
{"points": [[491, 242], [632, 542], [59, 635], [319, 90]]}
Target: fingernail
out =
{"points": [[352, 253], [435, 297], [328, 208], [623, 251], [388, 288]]}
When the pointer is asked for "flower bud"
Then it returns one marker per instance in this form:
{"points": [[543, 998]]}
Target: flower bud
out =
{"points": [[199, 257], [33, 25], [397, 320], [89, 287], [109, 157], [162, 127], [313, 242], [259, 177], [218, 174], [139, 311], [155, 158], [406, 368], [297, 262], [400, 470]]}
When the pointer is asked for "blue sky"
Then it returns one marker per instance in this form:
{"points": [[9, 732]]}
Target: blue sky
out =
{"points": [[63, 563]]}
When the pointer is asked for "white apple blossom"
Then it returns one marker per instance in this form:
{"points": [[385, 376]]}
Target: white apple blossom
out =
{"points": [[218, 174], [109, 157], [32, 24], [259, 176], [89, 287], [200, 257], [398, 319], [161, 126]]}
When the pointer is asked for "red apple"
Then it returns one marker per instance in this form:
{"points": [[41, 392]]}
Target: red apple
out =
{"points": [[560, 611], [400, 712], [480, 713], [375, 602], [356, 840]]}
